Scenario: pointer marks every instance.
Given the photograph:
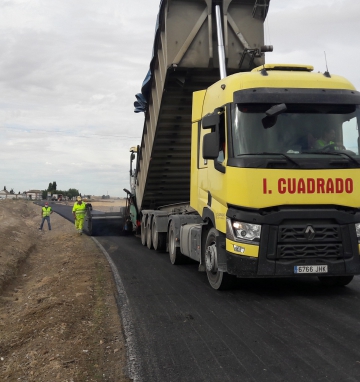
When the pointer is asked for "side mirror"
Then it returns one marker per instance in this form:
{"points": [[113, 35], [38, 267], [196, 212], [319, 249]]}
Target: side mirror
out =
{"points": [[211, 141], [211, 146], [210, 120]]}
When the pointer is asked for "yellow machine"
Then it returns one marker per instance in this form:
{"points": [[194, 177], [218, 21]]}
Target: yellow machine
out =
{"points": [[260, 175]]}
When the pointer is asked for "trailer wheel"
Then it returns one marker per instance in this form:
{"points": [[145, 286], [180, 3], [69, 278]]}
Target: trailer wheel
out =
{"points": [[176, 257], [143, 230], [149, 235], [158, 238], [217, 279], [331, 281]]}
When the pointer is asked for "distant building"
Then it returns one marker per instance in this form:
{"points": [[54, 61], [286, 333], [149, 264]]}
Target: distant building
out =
{"points": [[4, 194], [34, 194]]}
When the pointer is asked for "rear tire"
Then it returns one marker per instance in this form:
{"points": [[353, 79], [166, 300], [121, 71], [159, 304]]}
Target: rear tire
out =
{"points": [[176, 257], [149, 235], [143, 230], [217, 279], [158, 238], [332, 281]]}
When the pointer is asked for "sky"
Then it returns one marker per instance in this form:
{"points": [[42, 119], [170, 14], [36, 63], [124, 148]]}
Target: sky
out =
{"points": [[69, 71]]}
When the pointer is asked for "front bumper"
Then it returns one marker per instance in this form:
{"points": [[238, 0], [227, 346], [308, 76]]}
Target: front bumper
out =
{"points": [[284, 245], [244, 266]]}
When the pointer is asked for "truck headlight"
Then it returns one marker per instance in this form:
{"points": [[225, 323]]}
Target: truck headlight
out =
{"points": [[244, 232], [357, 227]]}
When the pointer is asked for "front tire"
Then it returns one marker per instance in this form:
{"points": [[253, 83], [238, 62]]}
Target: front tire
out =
{"points": [[334, 281], [217, 279]]}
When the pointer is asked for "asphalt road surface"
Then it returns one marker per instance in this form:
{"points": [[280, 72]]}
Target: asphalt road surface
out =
{"points": [[263, 330]]}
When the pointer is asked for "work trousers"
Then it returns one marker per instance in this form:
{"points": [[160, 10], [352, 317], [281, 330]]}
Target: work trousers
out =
{"points": [[79, 223], [47, 218]]}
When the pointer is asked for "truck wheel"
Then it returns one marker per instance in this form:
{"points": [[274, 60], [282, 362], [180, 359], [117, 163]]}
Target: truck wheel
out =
{"points": [[176, 257], [149, 235], [143, 230], [217, 279], [335, 280], [158, 238]]}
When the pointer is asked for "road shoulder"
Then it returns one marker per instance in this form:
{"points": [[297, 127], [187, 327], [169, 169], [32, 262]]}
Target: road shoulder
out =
{"points": [[58, 314]]}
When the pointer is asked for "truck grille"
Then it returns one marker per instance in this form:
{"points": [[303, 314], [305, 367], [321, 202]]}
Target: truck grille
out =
{"points": [[297, 233], [304, 241], [288, 251]]}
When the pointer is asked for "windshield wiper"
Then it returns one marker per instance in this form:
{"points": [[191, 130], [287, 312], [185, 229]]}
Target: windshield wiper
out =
{"points": [[332, 153], [285, 156], [282, 154]]}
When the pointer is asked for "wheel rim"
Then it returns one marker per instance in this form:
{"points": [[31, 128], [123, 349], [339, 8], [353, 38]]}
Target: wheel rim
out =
{"points": [[148, 235], [211, 258], [172, 246]]}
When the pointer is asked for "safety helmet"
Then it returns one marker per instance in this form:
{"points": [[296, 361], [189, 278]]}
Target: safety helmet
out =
{"points": [[78, 198]]}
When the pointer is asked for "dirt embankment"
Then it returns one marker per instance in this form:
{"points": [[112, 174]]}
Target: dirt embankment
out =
{"points": [[58, 315]]}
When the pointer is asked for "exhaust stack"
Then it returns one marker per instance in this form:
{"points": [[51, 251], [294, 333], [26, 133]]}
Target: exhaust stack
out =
{"points": [[221, 49]]}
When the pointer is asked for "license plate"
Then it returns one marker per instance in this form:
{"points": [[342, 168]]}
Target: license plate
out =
{"points": [[310, 269]]}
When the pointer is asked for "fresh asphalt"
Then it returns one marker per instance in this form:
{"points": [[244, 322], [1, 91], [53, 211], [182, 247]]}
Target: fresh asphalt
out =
{"points": [[263, 330]]}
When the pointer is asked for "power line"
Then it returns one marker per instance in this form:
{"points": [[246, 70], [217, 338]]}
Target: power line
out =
{"points": [[68, 134]]}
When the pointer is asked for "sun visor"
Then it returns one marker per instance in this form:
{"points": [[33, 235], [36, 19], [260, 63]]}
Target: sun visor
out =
{"points": [[295, 95]]}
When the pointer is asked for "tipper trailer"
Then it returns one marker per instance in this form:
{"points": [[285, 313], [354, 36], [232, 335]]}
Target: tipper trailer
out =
{"points": [[240, 174]]}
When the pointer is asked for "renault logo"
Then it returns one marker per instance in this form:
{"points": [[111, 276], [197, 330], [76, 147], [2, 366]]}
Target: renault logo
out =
{"points": [[309, 233]]}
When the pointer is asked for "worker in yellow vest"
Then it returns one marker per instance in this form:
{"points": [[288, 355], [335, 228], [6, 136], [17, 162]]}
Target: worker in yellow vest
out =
{"points": [[79, 211], [46, 211]]}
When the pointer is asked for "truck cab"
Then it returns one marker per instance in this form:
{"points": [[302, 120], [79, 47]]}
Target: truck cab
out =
{"points": [[275, 172]]}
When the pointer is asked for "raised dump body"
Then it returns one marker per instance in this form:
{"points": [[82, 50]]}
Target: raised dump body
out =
{"points": [[185, 60]]}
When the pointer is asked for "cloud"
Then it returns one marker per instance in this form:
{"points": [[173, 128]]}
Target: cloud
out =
{"points": [[301, 32], [69, 72]]}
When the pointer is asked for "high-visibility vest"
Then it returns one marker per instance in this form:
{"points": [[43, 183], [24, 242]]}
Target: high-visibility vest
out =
{"points": [[320, 143], [46, 211], [79, 209]]}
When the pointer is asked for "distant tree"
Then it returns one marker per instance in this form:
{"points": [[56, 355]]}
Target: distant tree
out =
{"points": [[12, 191], [50, 187], [4, 188], [72, 192], [54, 186]]}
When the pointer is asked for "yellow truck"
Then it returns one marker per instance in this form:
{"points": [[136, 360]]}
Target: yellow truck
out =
{"points": [[260, 175]]}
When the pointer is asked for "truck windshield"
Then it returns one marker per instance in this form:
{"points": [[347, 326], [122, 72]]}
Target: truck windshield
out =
{"points": [[297, 129]]}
